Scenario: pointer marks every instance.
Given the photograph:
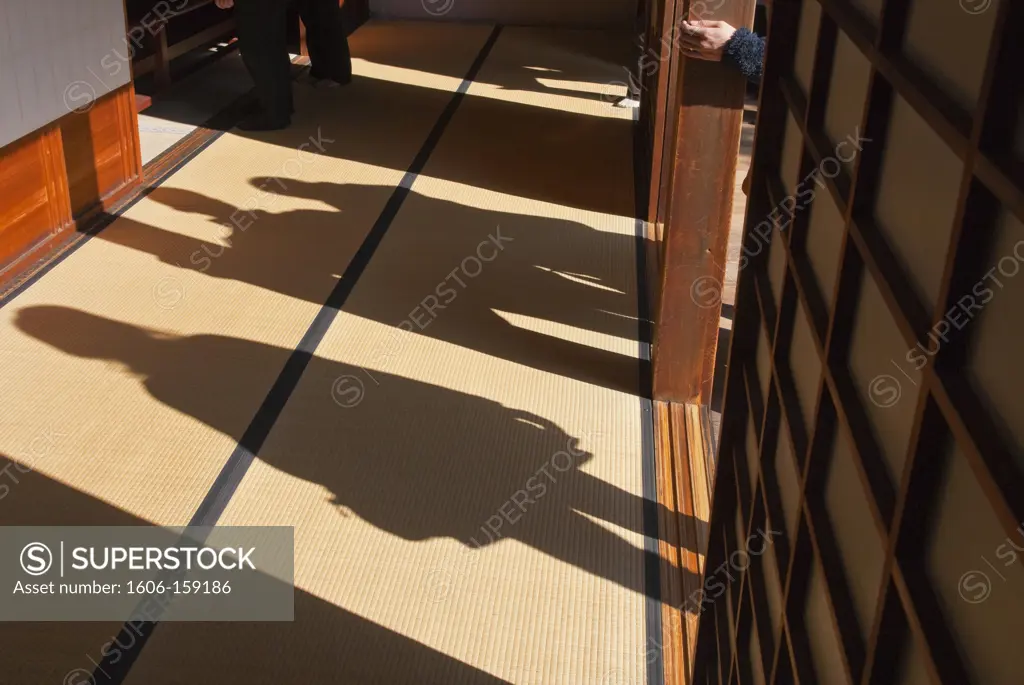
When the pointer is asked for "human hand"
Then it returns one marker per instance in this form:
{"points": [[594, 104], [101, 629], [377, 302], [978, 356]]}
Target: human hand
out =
{"points": [[225, 4], [705, 39]]}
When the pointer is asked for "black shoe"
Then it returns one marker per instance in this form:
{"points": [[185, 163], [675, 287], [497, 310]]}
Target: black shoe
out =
{"points": [[332, 83], [263, 122], [319, 80]]}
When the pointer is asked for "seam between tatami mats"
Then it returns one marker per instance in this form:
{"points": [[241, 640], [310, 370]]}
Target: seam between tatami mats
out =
{"points": [[652, 560], [259, 428]]}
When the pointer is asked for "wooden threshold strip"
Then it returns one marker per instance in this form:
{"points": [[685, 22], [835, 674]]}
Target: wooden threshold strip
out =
{"points": [[684, 454]]}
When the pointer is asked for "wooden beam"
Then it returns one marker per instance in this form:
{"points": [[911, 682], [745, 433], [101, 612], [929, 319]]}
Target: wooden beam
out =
{"points": [[709, 107]]}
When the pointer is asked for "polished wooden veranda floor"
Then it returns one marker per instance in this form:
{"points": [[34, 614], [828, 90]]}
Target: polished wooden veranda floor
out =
{"points": [[390, 362]]}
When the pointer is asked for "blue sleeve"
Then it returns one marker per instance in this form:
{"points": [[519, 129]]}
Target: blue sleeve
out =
{"points": [[745, 51]]}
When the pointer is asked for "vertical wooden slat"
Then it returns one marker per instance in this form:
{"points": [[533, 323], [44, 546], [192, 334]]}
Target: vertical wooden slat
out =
{"points": [[133, 158], [672, 639], [699, 477], [690, 562], [59, 199], [669, 75], [655, 114]]}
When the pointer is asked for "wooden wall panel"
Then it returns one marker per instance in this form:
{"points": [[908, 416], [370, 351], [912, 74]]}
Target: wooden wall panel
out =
{"points": [[63, 174], [99, 150], [35, 193]]}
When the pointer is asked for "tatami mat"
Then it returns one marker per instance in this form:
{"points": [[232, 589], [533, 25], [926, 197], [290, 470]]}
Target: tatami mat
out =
{"points": [[177, 111], [461, 459]]}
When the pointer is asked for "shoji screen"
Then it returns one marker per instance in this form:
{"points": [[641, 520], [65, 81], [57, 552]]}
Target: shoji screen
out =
{"points": [[57, 56], [874, 414]]}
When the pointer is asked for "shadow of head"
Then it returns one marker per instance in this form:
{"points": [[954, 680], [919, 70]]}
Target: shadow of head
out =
{"points": [[85, 335]]}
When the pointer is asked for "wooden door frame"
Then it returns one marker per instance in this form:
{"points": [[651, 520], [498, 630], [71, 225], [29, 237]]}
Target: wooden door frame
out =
{"points": [[697, 114]]}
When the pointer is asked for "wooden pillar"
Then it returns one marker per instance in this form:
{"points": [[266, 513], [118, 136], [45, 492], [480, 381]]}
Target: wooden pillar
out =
{"points": [[161, 58], [708, 105], [303, 44]]}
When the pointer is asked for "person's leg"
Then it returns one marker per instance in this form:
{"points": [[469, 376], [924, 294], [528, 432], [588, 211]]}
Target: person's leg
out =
{"points": [[247, 25], [281, 63], [262, 38], [343, 59], [335, 60], [314, 38]]}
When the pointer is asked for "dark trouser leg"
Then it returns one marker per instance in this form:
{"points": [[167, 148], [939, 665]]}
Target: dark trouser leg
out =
{"points": [[263, 41], [325, 38], [314, 42]]}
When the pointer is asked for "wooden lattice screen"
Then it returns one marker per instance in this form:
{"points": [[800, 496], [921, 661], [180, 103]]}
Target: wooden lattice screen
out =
{"points": [[874, 412]]}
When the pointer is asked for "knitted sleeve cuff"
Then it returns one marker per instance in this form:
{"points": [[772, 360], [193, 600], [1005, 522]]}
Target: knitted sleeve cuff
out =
{"points": [[745, 51]]}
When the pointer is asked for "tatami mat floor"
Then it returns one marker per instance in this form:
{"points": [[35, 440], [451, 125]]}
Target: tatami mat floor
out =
{"points": [[489, 343], [187, 104]]}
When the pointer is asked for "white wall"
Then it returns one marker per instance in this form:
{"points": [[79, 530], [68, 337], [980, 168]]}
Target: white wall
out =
{"points": [[56, 56], [605, 13]]}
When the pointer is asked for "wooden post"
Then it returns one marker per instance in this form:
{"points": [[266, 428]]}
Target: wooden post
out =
{"points": [[709, 107], [162, 58], [303, 45]]}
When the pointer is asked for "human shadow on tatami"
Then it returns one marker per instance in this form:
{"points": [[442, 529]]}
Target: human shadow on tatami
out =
{"points": [[580, 60], [546, 283], [522, 150], [324, 644], [416, 460]]}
